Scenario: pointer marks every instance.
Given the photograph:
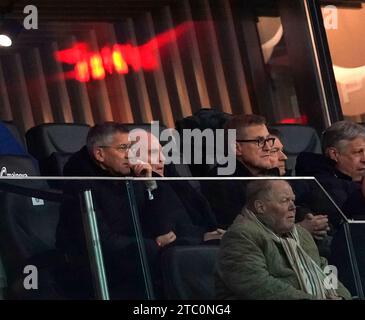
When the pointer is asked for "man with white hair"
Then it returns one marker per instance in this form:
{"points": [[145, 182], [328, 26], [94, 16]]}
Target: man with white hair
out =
{"points": [[264, 255], [194, 224]]}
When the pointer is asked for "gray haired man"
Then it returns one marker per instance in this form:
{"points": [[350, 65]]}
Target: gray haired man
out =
{"points": [[341, 168]]}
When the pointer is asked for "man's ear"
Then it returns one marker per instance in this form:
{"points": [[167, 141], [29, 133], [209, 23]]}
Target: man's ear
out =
{"points": [[259, 206], [98, 154], [332, 153], [238, 149]]}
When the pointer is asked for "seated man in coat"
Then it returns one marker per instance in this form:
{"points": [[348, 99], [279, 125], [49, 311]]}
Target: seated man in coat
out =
{"points": [[252, 149], [277, 156], [340, 170], [316, 224], [195, 224], [254, 158], [341, 167], [264, 255], [106, 155]]}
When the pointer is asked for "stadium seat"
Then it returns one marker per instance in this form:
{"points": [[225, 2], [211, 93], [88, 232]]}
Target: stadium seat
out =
{"points": [[27, 237], [3, 282], [298, 138], [13, 129], [17, 165], [47, 139], [188, 272], [10, 141], [57, 161]]}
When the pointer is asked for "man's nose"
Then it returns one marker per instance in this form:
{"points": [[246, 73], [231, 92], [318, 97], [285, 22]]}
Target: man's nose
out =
{"points": [[292, 206], [283, 156], [266, 147], [363, 156]]}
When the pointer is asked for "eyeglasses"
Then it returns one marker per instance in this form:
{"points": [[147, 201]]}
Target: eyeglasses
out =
{"points": [[121, 147], [261, 141]]}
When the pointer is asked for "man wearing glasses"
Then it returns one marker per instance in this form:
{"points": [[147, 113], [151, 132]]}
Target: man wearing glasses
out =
{"points": [[252, 148], [106, 155]]}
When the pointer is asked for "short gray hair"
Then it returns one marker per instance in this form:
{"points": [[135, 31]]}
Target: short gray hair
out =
{"points": [[259, 189], [340, 133], [102, 134], [241, 122]]}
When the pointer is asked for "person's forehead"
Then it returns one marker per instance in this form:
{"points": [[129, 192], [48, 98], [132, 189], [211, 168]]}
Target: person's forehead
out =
{"points": [[255, 131], [146, 139], [357, 143], [282, 188], [153, 141]]}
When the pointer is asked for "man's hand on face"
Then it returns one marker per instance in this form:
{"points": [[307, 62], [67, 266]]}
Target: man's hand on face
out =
{"points": [[142, 169], [317, 225], [165, 239]]}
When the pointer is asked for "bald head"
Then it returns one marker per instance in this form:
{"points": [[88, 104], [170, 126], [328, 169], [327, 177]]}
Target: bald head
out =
{"points": [[147, 148], [258, 190], [273, 203]]}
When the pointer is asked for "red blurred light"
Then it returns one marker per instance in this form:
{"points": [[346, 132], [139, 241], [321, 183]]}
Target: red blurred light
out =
{"points": [[119, 63], [82, 71], [106, 54], [300, 120], [72, 55], [94, 65]]}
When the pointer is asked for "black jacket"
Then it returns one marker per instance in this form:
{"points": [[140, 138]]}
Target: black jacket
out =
{"points": [[159, 216], [345, 192], [111, 206], [195, 203], [116, 229], [227, 197]]}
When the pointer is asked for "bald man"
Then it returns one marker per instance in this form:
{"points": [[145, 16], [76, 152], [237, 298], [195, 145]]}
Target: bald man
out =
{"points": [[264, 255], [196, 223]]}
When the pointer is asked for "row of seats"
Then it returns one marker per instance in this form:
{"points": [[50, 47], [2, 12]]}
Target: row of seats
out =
{"points": [[52, 144], [30, 228], [27, 237]]}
